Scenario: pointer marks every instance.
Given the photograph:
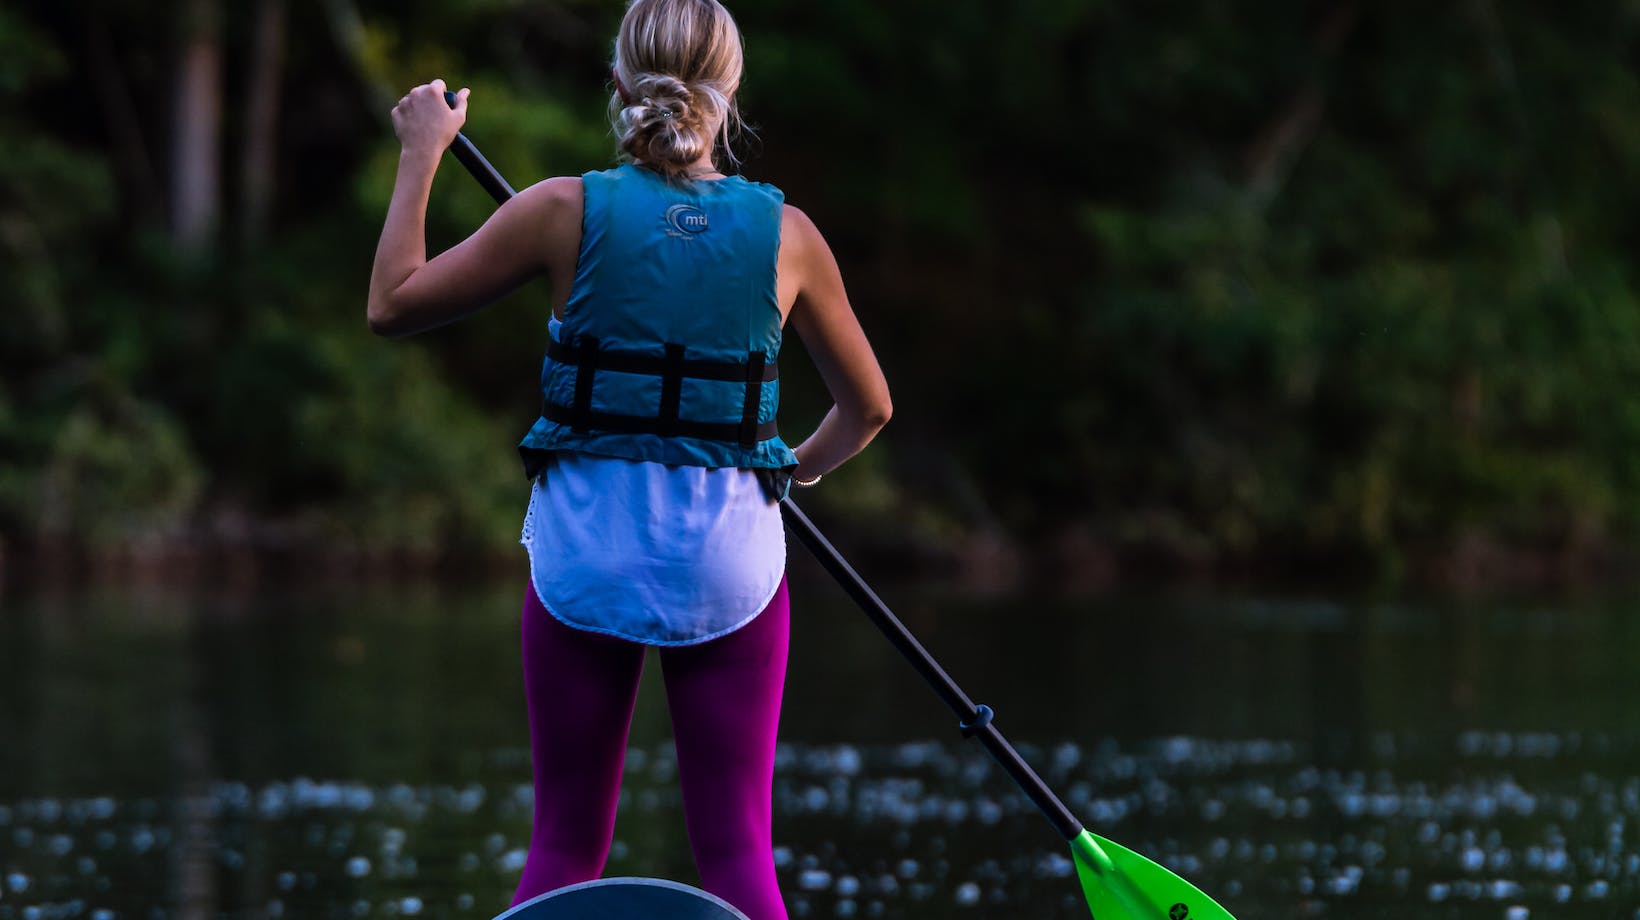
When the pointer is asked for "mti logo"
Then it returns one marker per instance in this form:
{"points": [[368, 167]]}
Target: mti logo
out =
{"points": [[685, 220]]}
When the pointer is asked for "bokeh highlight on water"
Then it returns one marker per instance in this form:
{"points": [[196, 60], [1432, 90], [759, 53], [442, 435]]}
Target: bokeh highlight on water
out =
{"points": [[339, 751]]}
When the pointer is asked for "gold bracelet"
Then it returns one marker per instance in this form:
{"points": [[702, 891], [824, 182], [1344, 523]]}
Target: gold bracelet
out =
{"points": [[806, 483]]}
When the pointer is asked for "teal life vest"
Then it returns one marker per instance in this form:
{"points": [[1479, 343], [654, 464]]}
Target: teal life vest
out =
{"points": [[668, 344]]}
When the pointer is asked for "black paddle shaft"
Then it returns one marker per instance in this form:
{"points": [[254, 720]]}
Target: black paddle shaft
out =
{"points": [[481, 169], [976, 720]]}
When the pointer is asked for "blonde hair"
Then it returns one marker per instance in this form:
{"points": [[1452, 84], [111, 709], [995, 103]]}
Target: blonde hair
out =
{"points": [[680, 63]]}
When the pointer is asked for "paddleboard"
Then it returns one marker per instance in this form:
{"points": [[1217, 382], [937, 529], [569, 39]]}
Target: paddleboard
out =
{"points": [[625, 899]]}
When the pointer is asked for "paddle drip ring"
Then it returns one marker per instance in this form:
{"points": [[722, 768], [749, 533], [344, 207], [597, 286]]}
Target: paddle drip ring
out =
{"points": [[982, 717]]}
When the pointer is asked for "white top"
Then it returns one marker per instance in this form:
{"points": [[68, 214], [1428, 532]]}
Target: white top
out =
{"points": [[657, 554]]}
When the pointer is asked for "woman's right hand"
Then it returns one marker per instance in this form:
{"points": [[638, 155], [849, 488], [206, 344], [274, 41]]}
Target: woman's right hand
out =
{"points": [[425, 123]]}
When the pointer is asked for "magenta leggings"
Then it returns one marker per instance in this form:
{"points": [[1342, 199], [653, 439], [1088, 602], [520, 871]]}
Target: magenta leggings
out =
{"points": [[724, 696]]}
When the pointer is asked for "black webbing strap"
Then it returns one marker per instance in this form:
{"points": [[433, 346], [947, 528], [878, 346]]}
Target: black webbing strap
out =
{"points": [[657, 365], [753, 401], [672, 368], [671, 388], [586, 366], [639, 424]]}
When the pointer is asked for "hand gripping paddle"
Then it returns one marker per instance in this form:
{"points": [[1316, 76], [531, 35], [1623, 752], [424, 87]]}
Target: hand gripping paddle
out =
{"points": [[1118, 883]]}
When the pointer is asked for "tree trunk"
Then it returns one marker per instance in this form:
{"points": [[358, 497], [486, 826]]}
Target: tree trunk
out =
{"points": [[196, 179], [259, 157], [347, 28], [136, 167], [1272, 154]]}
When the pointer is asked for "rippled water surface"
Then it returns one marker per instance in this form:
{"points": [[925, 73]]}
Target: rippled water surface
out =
{"points": [[336, 751]]}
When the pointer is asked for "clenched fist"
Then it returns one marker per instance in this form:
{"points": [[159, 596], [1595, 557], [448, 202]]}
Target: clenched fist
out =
{"points": [[424, 122]]}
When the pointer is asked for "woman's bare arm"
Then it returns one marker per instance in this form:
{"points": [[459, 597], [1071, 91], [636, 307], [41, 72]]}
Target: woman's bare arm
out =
{"points": [[830, 331], [409, 293]]}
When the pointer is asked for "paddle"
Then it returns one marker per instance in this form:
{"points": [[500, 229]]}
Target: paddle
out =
{"points": [[1118, 883]]}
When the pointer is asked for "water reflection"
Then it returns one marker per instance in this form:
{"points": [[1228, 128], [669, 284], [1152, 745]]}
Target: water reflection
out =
{"points": [[360, 753]]}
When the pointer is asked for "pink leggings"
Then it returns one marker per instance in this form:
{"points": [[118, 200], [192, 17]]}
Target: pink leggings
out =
{"points": [[724, 697]]}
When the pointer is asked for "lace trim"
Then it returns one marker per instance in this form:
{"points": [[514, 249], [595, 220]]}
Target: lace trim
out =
{"points": [[527, 536]]}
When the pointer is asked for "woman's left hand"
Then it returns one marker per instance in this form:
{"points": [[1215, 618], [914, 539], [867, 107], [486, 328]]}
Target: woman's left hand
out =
{"points": [[424, 122]]}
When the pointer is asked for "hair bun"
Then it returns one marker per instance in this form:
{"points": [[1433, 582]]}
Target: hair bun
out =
{"points": [[667, 96], [664, 125]]}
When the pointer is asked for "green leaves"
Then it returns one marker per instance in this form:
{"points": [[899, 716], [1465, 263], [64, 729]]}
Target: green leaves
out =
{"points": [[1240, 289]]}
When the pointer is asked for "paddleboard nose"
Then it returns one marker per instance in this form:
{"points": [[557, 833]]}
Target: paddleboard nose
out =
{"points": [[625, 899]]}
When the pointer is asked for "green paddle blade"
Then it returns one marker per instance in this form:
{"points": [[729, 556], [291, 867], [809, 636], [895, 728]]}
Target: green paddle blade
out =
{"points": [[1122, 885]]}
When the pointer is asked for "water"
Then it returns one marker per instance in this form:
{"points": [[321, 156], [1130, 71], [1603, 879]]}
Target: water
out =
{"points": [[325, 750]]}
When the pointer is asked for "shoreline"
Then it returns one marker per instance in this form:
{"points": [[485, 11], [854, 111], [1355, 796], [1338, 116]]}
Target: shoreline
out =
{"points": [[1073, 562]]}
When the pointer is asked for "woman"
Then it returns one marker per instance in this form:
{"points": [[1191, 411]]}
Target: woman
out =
{"points": [[656, 463]]}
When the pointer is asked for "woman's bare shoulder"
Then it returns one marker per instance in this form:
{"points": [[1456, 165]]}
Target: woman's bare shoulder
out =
{"points": [[552, 212], [799, 237], [554, 194], [793, 220]]}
